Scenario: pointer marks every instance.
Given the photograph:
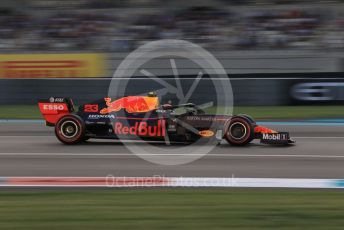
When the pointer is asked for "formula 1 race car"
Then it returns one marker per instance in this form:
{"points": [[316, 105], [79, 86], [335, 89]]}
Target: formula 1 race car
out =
{"points": [[141, 117]]}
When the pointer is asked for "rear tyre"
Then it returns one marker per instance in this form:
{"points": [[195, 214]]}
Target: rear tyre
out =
{"points": [[239, 131], [70, 129]]}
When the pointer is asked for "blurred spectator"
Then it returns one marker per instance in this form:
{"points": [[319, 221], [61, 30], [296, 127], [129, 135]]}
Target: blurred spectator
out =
{"points": [[123, 29]]}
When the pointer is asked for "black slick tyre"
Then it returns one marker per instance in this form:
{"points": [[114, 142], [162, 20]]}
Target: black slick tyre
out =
{"points": [[239, 131], [70, 129]]}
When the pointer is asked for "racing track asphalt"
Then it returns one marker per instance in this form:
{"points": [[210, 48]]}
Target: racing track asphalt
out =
{"points": [[31, 149]]}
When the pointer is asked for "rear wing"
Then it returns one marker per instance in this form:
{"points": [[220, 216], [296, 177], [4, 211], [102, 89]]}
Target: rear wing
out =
{"points": [[54, 108]]}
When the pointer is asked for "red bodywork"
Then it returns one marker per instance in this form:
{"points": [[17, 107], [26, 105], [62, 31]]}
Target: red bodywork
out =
{"points": [[53, 111], [261, 129]]}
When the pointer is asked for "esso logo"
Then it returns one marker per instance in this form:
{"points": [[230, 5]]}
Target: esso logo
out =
{"points": [[53, 107]]}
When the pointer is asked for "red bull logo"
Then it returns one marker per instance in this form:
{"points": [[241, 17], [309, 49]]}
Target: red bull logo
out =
{"points": [[132, 104], [141, 128]]}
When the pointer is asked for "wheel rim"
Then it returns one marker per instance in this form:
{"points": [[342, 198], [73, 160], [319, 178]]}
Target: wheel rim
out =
{"points": [[69, 129], [237, 130]]}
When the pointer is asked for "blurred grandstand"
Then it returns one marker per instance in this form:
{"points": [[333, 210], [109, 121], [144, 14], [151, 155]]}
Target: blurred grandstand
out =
{"points": [[217, 25], [254, 39]]}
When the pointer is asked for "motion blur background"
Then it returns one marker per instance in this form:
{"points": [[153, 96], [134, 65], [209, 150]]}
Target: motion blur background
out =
{"points": [[278, 52]]}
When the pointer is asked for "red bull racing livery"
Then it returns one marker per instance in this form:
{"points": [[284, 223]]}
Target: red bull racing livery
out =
{"points": [[141, 117]]}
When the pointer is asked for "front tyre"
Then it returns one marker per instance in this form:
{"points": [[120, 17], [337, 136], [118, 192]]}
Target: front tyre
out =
{"points": [[248, 117], [239, 131], [70, 129]]}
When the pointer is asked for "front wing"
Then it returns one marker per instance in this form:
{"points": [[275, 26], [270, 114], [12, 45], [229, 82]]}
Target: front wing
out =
{"points": [[269, 136]]}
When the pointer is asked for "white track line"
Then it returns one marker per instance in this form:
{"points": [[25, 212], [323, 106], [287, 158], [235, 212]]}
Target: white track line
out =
{"points": [[208, 155], [139, 182]]}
